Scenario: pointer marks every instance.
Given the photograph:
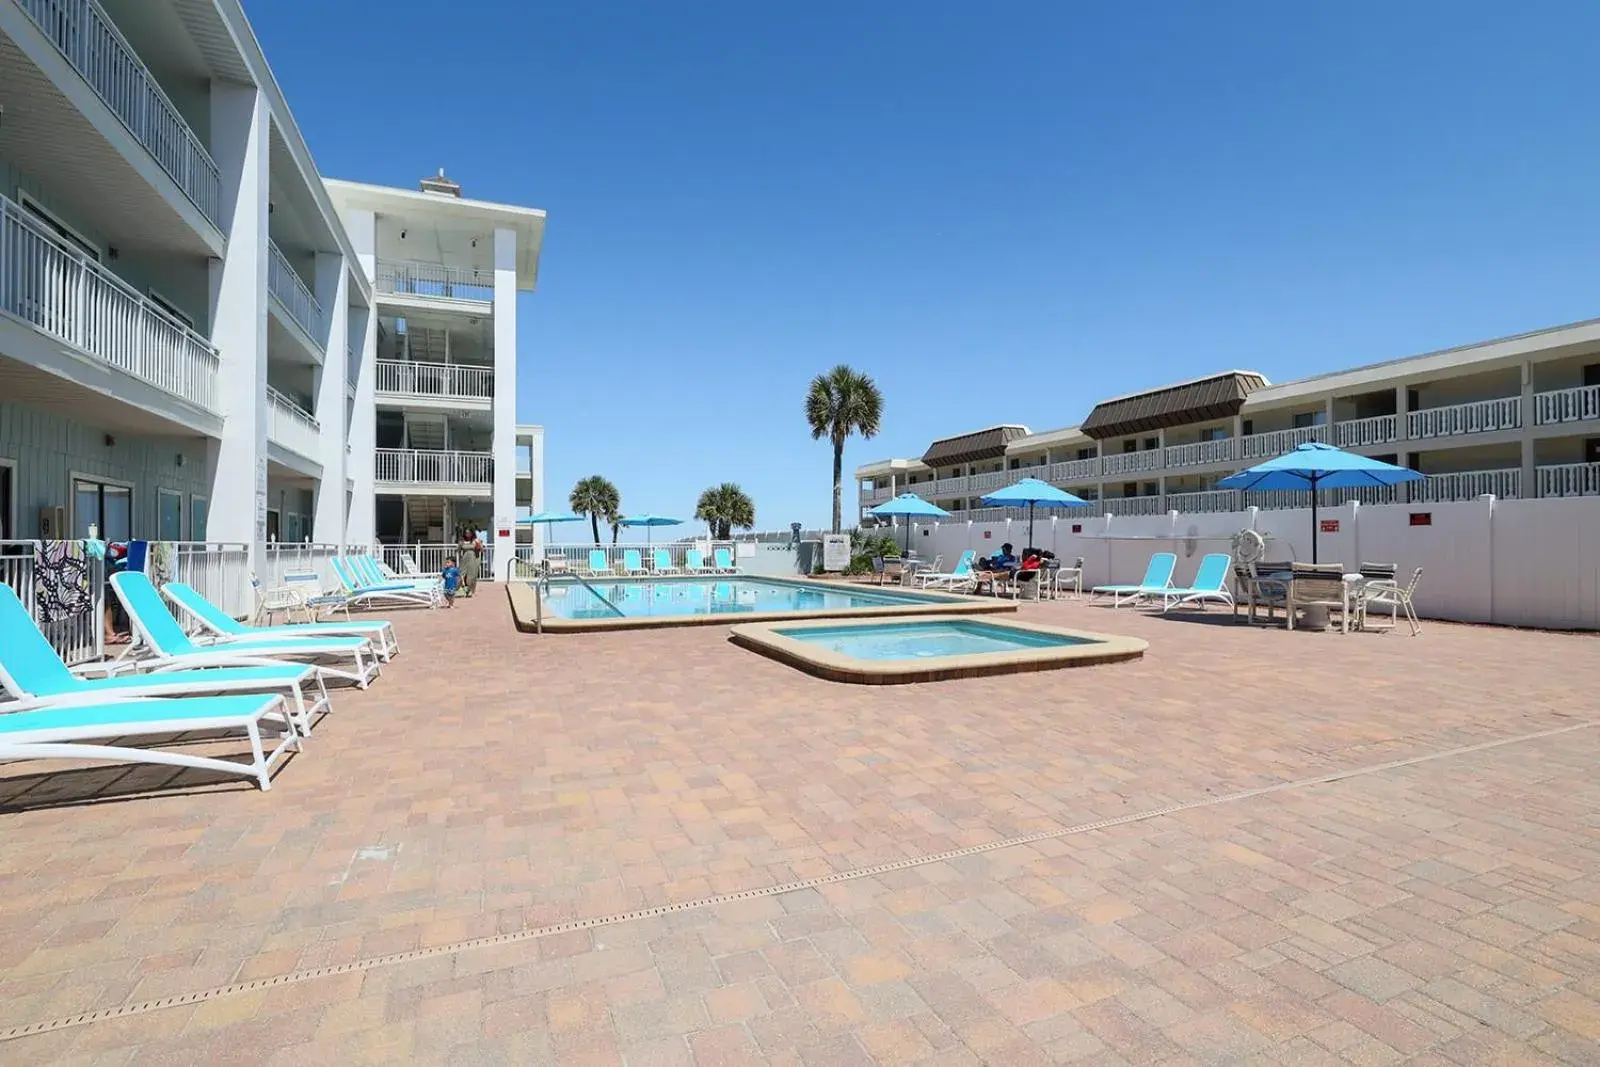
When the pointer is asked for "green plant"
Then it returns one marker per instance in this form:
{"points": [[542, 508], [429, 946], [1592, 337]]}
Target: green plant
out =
{"points": [[597, 498], [839, 403], [864, 546], [723, 507]]}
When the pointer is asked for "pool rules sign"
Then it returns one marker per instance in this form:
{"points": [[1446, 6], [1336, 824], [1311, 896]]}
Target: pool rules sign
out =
{"points": [[835, 552]]}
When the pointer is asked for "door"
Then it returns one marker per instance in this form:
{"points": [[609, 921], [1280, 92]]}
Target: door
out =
{"points": [[272, 524], [8, 502], [1591, 449]]}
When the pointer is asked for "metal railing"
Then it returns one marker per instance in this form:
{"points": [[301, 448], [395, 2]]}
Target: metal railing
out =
{"points": [[281, 558], [57, 289], [219, 571], [1466, 485], [1190, 455], [1074, 470], [1132, 505], [83, 33], [1578, 404], [292, 426], [991, 480], [434, 279], [1208, 500], [1479, 416], [1276, 442], [575, 555], [451, 380], [79, 638], [434, 467], [1356, 433], [292, 294], [429, 556], [1569, 479], [1131, 462]]}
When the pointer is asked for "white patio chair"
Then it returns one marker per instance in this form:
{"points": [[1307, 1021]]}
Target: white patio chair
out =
{"points": [[1395, 597]]}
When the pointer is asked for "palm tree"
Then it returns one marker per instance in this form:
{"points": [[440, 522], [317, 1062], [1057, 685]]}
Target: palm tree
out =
{"points": [[839, 403], [597, 498], [722, 507]]}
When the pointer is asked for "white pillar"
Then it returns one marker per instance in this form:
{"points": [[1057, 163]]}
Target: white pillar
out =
{"points": [[360, 524], [535, 447], [333, 293], [1528, 488], [240, 127], [505, 402]]}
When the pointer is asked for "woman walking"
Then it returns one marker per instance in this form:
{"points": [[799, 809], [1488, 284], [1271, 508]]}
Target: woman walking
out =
{"points": [[470, 549]]}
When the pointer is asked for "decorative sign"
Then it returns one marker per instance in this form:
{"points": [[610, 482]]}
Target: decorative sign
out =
{"points": [[1330, 525], [835, 552], [1422, 518]]}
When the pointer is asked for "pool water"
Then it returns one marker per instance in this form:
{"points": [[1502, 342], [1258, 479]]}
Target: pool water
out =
{"points": [[662, 597], [926, 640]]}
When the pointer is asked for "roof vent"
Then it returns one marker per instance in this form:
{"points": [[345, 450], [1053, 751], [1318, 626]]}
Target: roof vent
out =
{"points": [[441, 186]]}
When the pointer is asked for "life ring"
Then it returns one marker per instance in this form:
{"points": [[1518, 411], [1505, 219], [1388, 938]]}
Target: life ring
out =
{"points": [[1249, 546]]}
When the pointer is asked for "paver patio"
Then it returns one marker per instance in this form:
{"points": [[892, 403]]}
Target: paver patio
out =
{"points": [[1400, 900]]}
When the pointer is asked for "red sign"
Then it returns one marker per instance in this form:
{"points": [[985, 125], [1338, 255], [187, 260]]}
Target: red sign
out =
{"points": [[1422, 518], [1330, 525], [505, 533], [987, 534]]}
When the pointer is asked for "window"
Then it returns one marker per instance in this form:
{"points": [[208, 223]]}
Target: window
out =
{"points": [[106, 506], [1130, 446], [1591, 374], [1085, 453], [1305, 419], [171, 309], [169, 515], [8, 500], [1213, 433], [291, 527], [199, 506], [1248, 427], [1152, 443], [272, 525], [59, 228]]}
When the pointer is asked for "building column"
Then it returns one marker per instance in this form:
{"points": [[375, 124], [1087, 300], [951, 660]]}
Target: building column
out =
{"points": [[1402, 398], [333, 293], [240, 130], [360, 523], [505, 402], [1529, 487], [535, 445], [1327, 419]]}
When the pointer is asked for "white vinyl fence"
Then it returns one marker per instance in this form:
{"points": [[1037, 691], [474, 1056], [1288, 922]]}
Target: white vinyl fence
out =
{"points": [[1508, 562], [281, 558]]}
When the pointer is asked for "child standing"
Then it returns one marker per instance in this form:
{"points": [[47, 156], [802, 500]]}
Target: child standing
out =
{"points": [[452, 581]]}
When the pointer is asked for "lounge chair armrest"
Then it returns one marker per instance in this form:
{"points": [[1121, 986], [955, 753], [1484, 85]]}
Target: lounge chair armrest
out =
{"points": [[108, 668]]}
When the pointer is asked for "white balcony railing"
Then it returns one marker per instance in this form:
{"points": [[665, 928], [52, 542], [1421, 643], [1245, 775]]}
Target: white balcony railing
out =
{"points": [[1210, 500], [1191, 455], [1466, 485], [1131, 462], [1075, 470], [57, 289], [1132, 505], [1277, 442], [287, 288], [1357, 433], [291, 426], [989, 481], [84, 34], [1569, 479], [876, 495], [447, 380], [944, 487], [1579, 404], [434, 279], [414, 466], [1479, 416]]}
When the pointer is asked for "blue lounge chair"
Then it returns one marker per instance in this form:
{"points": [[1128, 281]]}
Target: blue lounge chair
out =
{"points": [[33, 674], [358, 590], [224, 628], [56, 732], [724, 561], [373, 577], [661, 562], [696, 562], [599, 565], [960, 574], [632, 561], [1210, 583], [1157, 578], [165, 645]]}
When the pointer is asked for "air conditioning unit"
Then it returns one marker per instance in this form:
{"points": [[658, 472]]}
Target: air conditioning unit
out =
{"points": [[52, 524]]}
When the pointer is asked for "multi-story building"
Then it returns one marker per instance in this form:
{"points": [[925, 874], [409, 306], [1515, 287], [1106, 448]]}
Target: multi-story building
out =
{"points": [[201, 338], [1517, 417]]}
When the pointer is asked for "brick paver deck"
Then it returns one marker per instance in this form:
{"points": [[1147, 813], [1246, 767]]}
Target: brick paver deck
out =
{"points": [[1426, 888]]}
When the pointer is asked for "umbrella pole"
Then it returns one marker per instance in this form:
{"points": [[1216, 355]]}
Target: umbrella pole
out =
{"points": [[1314, 527]]}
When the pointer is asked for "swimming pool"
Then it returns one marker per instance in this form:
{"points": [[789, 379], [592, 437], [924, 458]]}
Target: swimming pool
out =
{"points": [[928, 640], [612, 603]]}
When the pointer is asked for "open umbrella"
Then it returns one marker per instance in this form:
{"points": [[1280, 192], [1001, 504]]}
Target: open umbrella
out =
{"points": [[1315, 466], [648, 521], [1032, 491], [909, 506], [547, 518]]}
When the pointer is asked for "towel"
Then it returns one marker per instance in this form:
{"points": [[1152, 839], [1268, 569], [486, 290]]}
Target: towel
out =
{"points": [[138, 553], [160, 561], [61, 587]]}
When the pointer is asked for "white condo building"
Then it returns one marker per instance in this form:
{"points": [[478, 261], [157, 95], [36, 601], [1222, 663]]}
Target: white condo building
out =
{"points": [[202, 339]]}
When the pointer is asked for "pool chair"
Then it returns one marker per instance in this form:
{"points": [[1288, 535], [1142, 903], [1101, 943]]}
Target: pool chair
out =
{"points": [[661, 562], [959, 575], [57, 732], [367, 569], [1157, 578], [163, 644], [724, 561], [695, 561], [599, 565], [34, 676], [632, 561], [360, 592], [1210, 583], [222, 628]]}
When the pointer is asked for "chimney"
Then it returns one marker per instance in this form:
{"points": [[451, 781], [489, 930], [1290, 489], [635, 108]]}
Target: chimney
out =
{"points": [[441, 186]]}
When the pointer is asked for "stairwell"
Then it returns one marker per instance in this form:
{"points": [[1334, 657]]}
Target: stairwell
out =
{"points": [[425, 519], [425, 431]]}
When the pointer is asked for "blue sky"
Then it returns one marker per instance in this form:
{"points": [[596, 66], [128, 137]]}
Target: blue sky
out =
{"points": [[1003, 215]]}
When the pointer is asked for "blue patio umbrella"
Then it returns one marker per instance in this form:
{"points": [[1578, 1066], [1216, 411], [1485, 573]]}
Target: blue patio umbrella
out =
{"points": [[1314, 466], [548, 518], [1031, 491], [648, 521], [909, 506]]}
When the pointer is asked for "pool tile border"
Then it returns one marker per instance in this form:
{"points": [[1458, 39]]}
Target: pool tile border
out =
{"points": [[524, 610], [765, 639]]}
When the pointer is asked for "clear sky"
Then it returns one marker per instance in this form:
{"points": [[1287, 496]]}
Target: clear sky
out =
{"points": [[1001, 212]]}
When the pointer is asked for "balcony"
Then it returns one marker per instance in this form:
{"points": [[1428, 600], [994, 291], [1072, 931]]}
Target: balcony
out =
{"points": [[89, 41], [1133, 505], [422, 468], [989, 481], [1131, 462], [1362, 433], [874, 496], [59, 291], [292, 427], [434, 381], [1275, 443], [1581, 404], [1568, 479], [1479, 416], [1204, 502], [292, 295], [1072, 471], [1466, 485], [435, 280], [943, 487], [1220, 450]]}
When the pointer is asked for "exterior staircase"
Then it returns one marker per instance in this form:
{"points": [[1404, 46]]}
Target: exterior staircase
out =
{"points": [[425, 518]]}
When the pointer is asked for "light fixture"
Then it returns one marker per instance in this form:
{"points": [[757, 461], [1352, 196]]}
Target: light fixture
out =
{"points": [[402, 235]]}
